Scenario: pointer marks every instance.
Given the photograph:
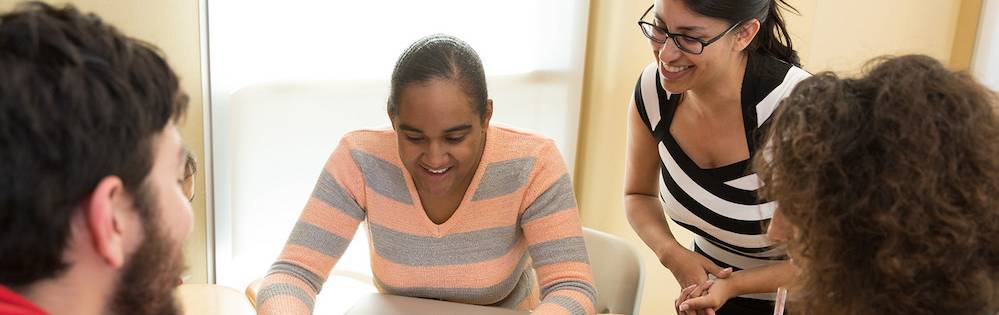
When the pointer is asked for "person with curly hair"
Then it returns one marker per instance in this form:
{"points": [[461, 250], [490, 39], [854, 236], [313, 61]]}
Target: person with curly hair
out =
{"points": [[888, 191]]}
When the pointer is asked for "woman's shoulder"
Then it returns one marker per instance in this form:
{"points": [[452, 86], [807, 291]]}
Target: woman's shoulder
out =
{"points": [[768, 80], [649, 71], [523, 154], [374, 141], [648, 81], [767, 73], [515, 137], [653, 103], [511, 142], [772, 84]]}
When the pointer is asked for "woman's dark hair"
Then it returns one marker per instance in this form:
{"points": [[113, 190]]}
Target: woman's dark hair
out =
{"points": [[440, 56], [79, 101], [772, 39], [891, 182]]}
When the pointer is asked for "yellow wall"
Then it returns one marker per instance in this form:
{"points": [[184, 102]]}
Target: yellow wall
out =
{"points": [[829, 35], [842, 35], [173, 26]]}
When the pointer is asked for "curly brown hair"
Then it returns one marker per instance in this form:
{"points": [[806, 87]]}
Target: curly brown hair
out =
{"points": [[891, 182]]}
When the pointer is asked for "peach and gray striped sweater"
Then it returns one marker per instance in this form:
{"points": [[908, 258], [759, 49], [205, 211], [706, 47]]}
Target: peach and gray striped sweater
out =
{"points": [[515, 240]]}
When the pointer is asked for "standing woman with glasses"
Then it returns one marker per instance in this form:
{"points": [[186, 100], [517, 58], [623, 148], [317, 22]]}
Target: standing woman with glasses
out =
{"points": [[720, 69]]}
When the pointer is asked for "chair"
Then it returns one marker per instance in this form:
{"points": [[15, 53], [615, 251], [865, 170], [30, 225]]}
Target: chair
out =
{"points": [[618, 273], [252, 289]]}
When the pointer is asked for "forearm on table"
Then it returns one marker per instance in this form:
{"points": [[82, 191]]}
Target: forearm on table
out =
{"points": [[285, 293]]}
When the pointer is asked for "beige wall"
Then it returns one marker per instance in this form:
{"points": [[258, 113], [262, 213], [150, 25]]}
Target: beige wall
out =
{"points": [[173, 26], [842, 35], [830, 35]]}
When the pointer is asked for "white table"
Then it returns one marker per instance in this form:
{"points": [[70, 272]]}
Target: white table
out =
{"points": [[210, 299], [383, 304]]}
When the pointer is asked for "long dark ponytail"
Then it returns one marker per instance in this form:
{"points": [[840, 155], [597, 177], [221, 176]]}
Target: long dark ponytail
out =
{"points": [[773, 38]]}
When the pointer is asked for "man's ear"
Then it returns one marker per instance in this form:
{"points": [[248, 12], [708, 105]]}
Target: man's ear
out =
{"points": [[104, 223]]}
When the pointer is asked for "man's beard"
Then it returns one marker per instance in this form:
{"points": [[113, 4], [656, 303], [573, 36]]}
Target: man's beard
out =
{"points": [[147, 282]]}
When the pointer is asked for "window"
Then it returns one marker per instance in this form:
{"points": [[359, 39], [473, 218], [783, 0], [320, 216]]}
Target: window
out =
{"points": [[985, 66]]}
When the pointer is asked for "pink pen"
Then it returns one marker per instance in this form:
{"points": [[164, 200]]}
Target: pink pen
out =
{"points": [[781, 300]]}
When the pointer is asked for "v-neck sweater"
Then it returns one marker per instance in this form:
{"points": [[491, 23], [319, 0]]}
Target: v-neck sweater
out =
{"points": [[515, 240]]}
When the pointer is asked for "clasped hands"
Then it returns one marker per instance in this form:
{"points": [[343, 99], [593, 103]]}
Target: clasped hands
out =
{"points": [[706, 297], [708, 286]]}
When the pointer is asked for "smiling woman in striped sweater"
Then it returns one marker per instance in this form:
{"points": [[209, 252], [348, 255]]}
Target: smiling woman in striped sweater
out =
{"points": [[457, 210]]}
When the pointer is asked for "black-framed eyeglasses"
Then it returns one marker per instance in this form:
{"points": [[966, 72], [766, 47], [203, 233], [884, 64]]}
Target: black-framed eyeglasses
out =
{"points": [[691, 45]]}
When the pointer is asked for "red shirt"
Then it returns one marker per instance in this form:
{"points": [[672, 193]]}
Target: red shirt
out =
{"points": [[13, 304]]}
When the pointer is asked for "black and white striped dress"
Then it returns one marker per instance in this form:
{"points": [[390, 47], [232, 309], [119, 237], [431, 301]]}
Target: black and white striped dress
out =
{"points": [[720, 205]]}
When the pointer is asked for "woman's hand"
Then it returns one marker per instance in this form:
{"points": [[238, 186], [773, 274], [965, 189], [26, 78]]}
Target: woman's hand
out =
{"points": [[717, 292], [692, 269], [687, 294]]}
